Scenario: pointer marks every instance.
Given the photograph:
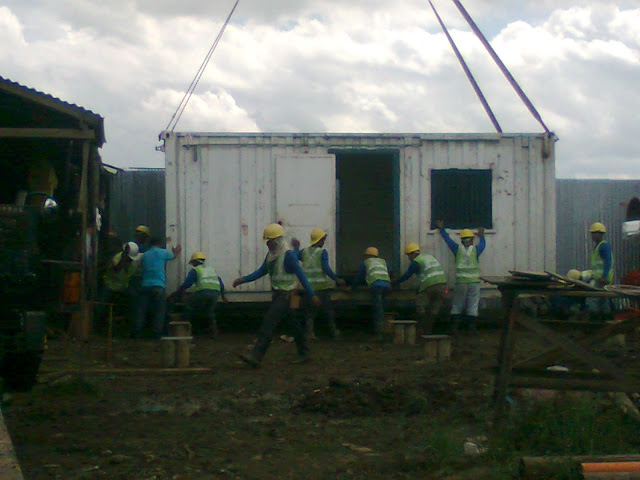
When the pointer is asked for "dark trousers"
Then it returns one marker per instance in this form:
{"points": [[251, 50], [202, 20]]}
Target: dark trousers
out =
{"points": [[279, 309], [311, 313], [203, 303], [377, 301], [155, 299]]}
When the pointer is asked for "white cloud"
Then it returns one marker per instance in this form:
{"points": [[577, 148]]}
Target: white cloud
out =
{"points": [[356, 66]]}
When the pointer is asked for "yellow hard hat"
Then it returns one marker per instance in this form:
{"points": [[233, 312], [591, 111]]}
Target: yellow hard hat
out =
{"points": [[143, 229], [317, 234], [373, 251], [271, 231], [411, 247], [573, 274], [598, 227], [466, 233], [198, 256]]}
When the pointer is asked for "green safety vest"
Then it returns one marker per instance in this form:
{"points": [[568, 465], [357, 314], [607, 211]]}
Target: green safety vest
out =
{"points": [[430, 272], [312, 267], [119, 281], [597, 265], [280, 279], [467, 266], [376, 270], [207, 278]]}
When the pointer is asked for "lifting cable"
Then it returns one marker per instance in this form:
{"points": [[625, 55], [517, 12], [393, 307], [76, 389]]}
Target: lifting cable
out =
{"points": [[501, 65], [194, 83], [472, 80]]}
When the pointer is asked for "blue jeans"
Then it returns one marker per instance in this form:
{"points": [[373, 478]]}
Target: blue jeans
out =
{"points": [[377, 300], [155, 298]]}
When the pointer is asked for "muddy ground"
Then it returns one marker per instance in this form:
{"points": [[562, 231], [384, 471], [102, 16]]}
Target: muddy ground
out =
{"points": [[360, 410]]}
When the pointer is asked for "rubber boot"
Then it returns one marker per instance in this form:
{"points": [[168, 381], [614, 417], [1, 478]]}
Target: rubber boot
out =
{"points": [[455, 324]]}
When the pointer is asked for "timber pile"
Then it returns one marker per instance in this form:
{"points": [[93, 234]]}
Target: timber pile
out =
{"points": [[539, 280]]}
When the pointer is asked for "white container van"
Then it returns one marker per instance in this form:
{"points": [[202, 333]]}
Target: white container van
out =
{"points": [[381, 190]]}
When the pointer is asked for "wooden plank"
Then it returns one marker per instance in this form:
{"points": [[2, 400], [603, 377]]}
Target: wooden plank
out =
{"points": [[549, 466], [9, 466], [579, 283]]}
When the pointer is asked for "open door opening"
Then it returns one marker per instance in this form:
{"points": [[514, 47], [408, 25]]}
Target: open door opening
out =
{"points": [[367, 208]]}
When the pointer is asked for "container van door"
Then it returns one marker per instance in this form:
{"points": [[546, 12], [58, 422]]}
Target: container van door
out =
{"points": [[306, 197]]}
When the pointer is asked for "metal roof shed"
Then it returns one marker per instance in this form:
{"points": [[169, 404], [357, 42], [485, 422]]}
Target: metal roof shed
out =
{"points": [[35, 125]]}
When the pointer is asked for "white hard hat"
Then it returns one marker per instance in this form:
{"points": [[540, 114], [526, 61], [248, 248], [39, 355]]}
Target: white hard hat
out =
{"points": [[134, 250]]}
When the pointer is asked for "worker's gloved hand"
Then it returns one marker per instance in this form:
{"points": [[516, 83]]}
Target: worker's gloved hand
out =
{"points": [[315, 300], [341, 282], [480, 232], [225, 299], [237, 281], [295, 243], [439, 224], [601, 282]]}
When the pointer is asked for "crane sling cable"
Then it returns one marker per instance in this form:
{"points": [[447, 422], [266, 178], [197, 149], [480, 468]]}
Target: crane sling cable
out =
{"points": [[472, 80], [194, 83], [501, 65]]}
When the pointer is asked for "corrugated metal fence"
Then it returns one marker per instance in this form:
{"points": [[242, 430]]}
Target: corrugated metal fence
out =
{"points": [[582, 202], [137, 198]]}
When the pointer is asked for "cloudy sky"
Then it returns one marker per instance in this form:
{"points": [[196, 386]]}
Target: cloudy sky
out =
{"points": [[337, 66]]}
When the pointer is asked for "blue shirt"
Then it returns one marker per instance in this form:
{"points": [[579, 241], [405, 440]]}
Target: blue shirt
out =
{"points": [[154, 262], [192, 276], [362, 277], [605, 253], [324, 259], [291, 265], [454, 246], [414, 267]]}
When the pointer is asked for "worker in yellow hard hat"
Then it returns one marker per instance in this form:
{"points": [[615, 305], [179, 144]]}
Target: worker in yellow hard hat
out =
{"points": [[281, 263], [602, 268], [432, 291], [315, 264], [208, 289], [373, 271], [466, 295]]}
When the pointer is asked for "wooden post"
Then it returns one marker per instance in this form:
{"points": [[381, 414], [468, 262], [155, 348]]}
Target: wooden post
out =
{"points": [[505, 357], [167, 352], [398, 338], [180, 329], [410, 334], [437, 348], [183, 351]]}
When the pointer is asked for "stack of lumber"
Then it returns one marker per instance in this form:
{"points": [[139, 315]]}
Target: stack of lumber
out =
{"points": [[538, 280]]}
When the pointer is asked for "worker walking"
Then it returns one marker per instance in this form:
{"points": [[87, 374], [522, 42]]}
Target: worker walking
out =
{"points": [[466, 295], [283, 267], [373, 271], [154, 283], [315, 264], [432, 291], [209, 288]]}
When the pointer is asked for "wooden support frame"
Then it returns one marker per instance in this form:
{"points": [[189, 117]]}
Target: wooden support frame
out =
{"points": [[600, 375]]}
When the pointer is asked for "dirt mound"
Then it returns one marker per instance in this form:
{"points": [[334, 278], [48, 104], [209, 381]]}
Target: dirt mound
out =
{"points": [[355, 398]]}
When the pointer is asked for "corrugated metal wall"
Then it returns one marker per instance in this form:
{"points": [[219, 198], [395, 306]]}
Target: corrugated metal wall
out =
{"points": [[138, 198], [582, 202]]}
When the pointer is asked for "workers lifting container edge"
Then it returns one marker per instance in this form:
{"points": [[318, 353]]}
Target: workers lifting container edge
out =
{"points": [[374, 273], [466, 294], [315, 264], [432, 291], [209, 289]]}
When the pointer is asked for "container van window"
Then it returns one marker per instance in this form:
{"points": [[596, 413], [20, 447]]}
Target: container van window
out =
{"points": [[461, 198]]}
